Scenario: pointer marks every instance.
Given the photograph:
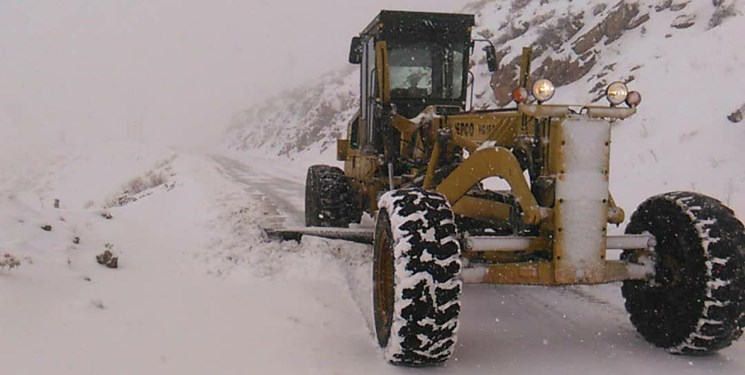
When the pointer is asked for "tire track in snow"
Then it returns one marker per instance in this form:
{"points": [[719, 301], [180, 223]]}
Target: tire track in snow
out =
{"points": [[354, 261], [280, 193], [535, 304], [505, 328]]}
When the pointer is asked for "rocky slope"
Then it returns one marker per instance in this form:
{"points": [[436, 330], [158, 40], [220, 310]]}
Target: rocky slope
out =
{"points": [[584, 44]]}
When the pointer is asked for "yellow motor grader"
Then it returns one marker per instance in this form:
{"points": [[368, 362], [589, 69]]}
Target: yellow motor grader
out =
{"points": [[416, 160]]}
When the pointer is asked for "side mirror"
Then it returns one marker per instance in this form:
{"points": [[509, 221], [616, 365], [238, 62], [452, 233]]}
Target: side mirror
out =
{"points": [[491, 57], [355, 51]]}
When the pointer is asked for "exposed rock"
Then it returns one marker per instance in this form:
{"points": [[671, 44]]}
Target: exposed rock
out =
{"points": [[519, 4], [485, 34], [553, 36], [684, 21], [737, 115], [501, 54], [679, 5], [601, 85], [599, 8], [636, 22], [542, 18], [504, 80], [513, 31], [663, 5], [558, 33], [621, 18], [108, 259], [721, 13], [564, 71], [608, 68]]}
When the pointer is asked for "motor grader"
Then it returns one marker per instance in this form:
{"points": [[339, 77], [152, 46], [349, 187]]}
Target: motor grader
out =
{"points": [[417, 160]]}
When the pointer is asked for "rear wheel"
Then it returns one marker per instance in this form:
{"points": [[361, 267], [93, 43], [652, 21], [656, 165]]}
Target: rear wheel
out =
{"points": [[329, 200], [416, 284], [695, 304]]}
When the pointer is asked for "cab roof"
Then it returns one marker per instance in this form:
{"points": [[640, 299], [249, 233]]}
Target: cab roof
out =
{"points": [[395, 23]]}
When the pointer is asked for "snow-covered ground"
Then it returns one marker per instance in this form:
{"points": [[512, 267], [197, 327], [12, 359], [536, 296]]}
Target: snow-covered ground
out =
{"points": [[199, 289]]}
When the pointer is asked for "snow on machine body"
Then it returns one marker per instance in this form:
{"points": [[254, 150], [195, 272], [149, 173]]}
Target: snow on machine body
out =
{"points": [[415, 160]]}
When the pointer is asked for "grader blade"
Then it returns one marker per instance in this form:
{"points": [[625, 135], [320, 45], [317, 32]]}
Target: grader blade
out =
{"points": [[359, 235]]}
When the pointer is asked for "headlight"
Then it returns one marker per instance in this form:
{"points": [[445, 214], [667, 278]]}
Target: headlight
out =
{"points": [[616, 93], [543, 90]]}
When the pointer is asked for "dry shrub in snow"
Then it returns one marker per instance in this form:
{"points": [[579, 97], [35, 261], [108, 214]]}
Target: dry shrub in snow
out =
{"points": [[149, 181], [9, 261], [722, 12], [138, 187]]}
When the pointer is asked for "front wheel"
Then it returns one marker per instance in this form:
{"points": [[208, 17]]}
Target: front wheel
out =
{"points": [[695, 304], [416, 284], [329, 199]]}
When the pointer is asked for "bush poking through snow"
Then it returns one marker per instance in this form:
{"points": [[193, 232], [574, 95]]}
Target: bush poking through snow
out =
{"points": [[9, 261], [107, 258], [722, 12], [737, 115], [141, 186]]}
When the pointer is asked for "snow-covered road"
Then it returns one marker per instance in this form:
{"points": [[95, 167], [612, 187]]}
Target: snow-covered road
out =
{"points": [[510, 329], [200, 289]]}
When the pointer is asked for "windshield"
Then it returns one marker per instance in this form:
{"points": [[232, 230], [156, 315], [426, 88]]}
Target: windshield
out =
{"points": [[425, 71]]}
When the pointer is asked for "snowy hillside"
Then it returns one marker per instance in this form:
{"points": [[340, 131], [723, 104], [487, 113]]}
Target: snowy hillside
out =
{"points": [[685, 57]]}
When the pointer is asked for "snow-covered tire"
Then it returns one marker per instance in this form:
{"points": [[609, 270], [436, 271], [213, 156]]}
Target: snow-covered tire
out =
{"points": [[695, 304], [329, 200], [416, 278]]}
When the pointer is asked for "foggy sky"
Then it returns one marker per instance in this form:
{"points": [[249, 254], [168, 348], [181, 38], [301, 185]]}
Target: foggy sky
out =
{"points": [[167, 71]]}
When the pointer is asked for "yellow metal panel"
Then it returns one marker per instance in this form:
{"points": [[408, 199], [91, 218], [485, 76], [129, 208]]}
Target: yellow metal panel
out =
{"points": [[616, 215], [362, 168], [527, 273], [342, 145], [500, 127], [465, 143], [491, 162], [482, 209], [381, 52], [432, 166], [404, 125]]}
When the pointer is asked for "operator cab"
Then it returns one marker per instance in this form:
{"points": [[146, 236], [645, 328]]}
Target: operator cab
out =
{"points": [[427, 60]]}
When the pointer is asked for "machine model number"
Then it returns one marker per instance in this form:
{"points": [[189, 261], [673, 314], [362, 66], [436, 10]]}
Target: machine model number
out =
{"points": [[469, 129]]}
